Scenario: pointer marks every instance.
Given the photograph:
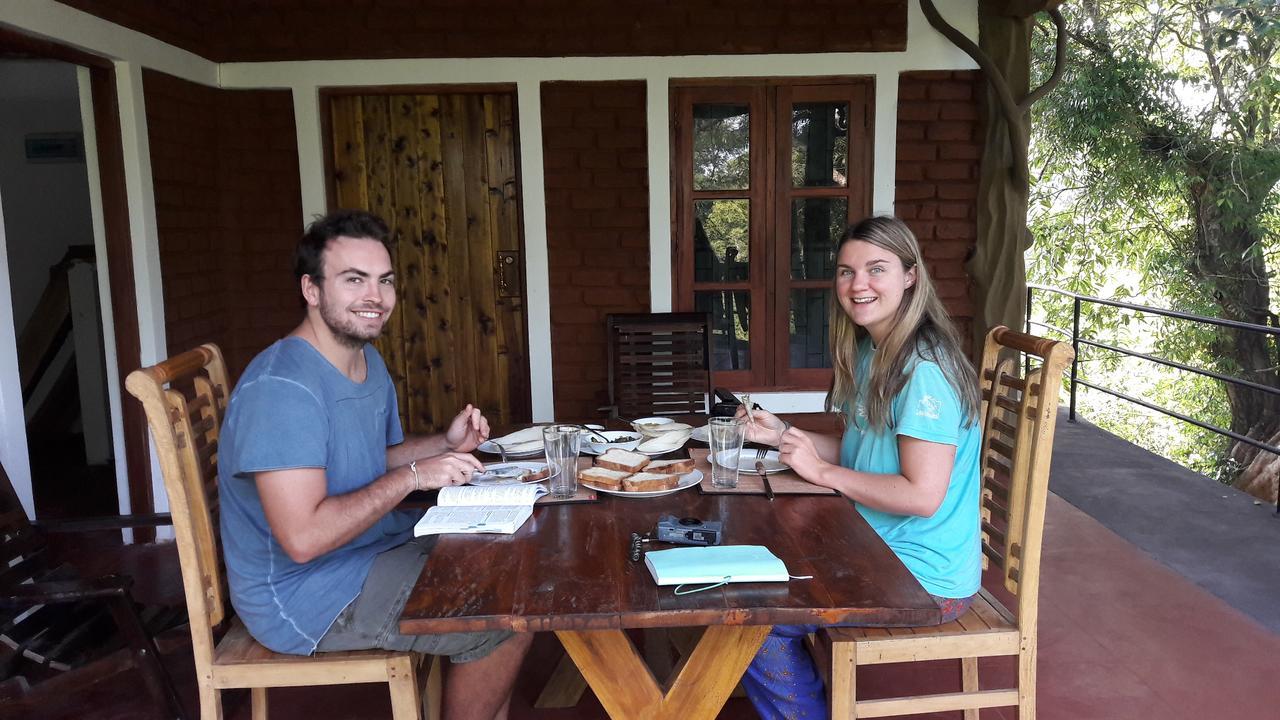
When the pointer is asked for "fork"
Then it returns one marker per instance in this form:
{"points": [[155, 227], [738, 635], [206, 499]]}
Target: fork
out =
{"points": [[501, 450]]}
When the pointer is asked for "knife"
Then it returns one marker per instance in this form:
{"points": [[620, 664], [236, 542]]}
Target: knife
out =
{"points": [[768, 489]]}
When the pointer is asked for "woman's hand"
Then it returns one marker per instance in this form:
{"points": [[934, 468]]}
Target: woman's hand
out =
{"points": [[468, 429], [763, 427], [798, 451]]}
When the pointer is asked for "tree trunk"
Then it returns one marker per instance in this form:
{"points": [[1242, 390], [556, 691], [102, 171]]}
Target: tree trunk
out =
{"points": [[997, 266], [1228, 256]]}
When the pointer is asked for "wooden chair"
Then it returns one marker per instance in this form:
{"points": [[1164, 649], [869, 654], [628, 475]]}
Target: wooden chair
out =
{"points": [[185, 419], [67, 629], [1018, 418], [659, 364]]}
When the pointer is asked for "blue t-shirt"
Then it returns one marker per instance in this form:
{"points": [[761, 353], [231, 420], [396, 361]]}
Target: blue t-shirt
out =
{"points": [[293, 409], [943, 551]]}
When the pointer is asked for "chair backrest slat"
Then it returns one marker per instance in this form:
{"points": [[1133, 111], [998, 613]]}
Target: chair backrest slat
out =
{"points": [[1018, 416], [185, 401], [659, 363]]}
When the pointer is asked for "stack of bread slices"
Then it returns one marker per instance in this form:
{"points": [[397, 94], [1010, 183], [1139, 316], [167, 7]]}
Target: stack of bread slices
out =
{"points": [[632, 472]]}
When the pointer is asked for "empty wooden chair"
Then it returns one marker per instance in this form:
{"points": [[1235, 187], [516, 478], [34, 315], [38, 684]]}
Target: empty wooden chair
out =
{"points": [[659, 364], [185, 418], [65, 629], [1018, 418]]}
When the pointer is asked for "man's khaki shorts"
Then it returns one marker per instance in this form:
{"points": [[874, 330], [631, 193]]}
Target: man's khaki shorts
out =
{"points": [[372, 619]]}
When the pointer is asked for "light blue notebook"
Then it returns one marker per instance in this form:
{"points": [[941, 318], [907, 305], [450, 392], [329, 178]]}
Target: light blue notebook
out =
{"points": [[715, 564]]}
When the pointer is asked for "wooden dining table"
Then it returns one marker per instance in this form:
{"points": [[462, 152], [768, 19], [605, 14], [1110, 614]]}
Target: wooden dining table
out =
{"points": [[567, 571]]}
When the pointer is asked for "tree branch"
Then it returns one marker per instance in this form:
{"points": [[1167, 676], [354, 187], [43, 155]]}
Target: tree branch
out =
{"points": [[1059, 63], [1216, 73], [1013, 115]]}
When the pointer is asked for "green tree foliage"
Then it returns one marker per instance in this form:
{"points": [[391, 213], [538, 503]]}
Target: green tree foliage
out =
{"points": [[1156, 164]]}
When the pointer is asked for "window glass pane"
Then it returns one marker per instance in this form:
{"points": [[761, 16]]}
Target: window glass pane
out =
{"points": [[721, 240], [730, 319], [721, 147], [816, 227], [819, 144], [809, 347]]}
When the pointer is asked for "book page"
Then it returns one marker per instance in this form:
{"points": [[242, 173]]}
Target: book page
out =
{"points": [[500, 519], [462, 495]]}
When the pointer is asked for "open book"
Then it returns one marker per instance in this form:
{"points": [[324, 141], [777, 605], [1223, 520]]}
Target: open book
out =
{"points": [[480, 509]]}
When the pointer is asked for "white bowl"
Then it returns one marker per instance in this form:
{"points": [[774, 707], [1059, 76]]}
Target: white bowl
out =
{"points": [[648, 426], [614, 437]]}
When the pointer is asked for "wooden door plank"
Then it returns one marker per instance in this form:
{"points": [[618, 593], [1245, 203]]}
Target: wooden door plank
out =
{"points": [[350, 190], [456, 294], [406, 222], [482, 311], [378, 173], [505, 214], [439, 370]]}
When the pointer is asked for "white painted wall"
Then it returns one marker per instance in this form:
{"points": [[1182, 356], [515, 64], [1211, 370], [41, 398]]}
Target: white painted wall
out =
{"points": [[48, 202], [48, 211], [926, 50]]}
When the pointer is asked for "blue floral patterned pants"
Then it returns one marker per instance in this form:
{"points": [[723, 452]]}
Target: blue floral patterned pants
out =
{"points": [[783, 682]]}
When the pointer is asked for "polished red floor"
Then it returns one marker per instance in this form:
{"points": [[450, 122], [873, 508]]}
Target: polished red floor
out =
{"points": [[1121, 637]]}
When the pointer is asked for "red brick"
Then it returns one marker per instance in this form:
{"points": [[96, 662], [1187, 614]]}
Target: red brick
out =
{"points": [[918, 111], [594, 199], [949, 171], [916, 191], [959, 151], [951, 91], [958, 111], [958, 191], [913, 151], [956, 230], [948, 130]]}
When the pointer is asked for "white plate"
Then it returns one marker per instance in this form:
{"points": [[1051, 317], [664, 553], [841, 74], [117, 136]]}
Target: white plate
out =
{"points": [[534, 466], [699, 434], [492, 449], [687, 480], [592, 448], [748, 461], [657, 453]]}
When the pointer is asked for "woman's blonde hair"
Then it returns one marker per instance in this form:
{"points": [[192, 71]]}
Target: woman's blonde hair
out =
{"points": [[921, 328]]}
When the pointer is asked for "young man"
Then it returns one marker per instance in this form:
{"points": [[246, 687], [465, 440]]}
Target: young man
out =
{"points": [[312, 463]]}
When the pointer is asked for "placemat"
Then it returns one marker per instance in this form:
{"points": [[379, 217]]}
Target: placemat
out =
{"points": [[786, 482]]}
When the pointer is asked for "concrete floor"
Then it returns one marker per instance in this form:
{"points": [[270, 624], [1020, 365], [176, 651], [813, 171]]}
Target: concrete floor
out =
{"points": [[1217, 537]]}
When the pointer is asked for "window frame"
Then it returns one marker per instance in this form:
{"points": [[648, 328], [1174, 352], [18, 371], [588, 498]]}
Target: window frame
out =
{"points": [[770, 194]]}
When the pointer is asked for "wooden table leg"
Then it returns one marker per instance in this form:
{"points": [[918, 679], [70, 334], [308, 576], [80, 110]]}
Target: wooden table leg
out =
{"points": [[627, 689]]}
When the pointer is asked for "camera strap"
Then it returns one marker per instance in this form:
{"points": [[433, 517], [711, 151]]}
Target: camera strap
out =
{"points": [[727, 579]]}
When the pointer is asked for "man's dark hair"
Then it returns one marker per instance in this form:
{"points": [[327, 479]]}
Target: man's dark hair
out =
{"points": [[308, 257]]}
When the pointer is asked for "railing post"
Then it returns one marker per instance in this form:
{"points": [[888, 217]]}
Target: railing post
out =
{"points": [[1026, 360], [1075, 361]]}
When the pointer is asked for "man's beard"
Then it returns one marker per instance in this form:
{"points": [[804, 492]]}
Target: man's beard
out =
{"points": [[345, 328]]}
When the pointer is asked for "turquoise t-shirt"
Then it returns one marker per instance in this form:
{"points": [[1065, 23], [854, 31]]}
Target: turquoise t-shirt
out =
{"points": [[943, 551]]}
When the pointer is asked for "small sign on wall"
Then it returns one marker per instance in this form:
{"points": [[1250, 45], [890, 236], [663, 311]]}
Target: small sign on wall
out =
{"points": [[55, 147]]}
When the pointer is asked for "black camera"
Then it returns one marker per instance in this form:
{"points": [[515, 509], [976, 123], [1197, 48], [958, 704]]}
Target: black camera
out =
{"points": [[689, 530]]}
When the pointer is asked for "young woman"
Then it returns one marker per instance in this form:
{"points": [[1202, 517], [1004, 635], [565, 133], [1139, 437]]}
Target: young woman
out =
{"points": [[909, 455]]}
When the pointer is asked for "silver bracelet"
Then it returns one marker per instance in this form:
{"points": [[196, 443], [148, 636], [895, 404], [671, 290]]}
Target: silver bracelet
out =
{"points": [[413, 468]]}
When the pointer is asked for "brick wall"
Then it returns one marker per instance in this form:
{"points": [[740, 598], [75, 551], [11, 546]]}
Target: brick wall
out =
{"points": [[939, 145], [595, 159], [225, 30], [225, 169]]}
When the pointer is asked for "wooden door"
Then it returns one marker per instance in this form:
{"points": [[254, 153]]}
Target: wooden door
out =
{"points": [[441, 170]]}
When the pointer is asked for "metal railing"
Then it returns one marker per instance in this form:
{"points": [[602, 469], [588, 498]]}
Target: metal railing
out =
{"points": [[1077, 341]]}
